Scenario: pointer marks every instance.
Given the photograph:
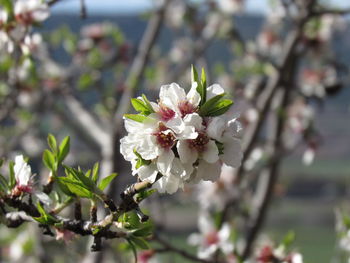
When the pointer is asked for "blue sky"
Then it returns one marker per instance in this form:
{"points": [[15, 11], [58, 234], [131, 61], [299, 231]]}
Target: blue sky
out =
{"points": [[127, 6]]}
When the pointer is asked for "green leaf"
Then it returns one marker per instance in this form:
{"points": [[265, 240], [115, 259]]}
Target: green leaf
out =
{"points": [[106, 181], [64, 149], [95, 172], [140, 161], [51, 141], [1, 162], [135, 117], [76, 187], [143, 232], [79, 176], [64, 188], [133, 248], [144, 194], [288, 239], [49, 160], [139, 105], [210, 104], [222, 107], [204, 86], [194, 74], [140, 242], [45, 218], [220, 146], [8, 5], [148, 103], [12, 181], [3, 184]]}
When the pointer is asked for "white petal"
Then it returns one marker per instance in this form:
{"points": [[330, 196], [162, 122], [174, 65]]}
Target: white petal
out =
{"points": [[189, 133], [168, 184], [171, 95], [148, 172], [234, 128], [216, 127], [208, 171], [205, 225], [232, 152], [186, 154], [164, 161], [194, 120], [22, 170], [214, 90], [176, 124], [211, 152], [224, 233], [193, 96]]}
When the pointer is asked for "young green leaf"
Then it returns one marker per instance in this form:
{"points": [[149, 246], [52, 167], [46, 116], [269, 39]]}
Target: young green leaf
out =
{"points": [[288, 239], [147, 103], [143, 232], [210, 104], [133, 248], [139, 242], [80, 177], [220, 108], [204, 86], [76, 187], [95, 172], [139, 105], [106, 181], [194, 74], [12, 181], [64, 149], [3, 184], [135, 117], [51, 141], [49, 160]]}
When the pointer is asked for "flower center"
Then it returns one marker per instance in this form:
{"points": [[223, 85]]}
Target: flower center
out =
{"points": [[25, 18], [165, 138], [211, 238], [186, 107], [166, 113], [200, 142]]}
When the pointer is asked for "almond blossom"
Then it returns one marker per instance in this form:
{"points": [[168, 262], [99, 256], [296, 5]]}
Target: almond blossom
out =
{"points": [[28, 12], [181, 139], [210, 239], [24, 181]]}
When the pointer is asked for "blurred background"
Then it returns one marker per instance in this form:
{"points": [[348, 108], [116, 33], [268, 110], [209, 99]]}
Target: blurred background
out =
{"points": [[102, 42]]}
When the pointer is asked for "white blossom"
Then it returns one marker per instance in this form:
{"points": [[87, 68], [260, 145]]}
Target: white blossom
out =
{"points": [[30, 11], [210, 240]]}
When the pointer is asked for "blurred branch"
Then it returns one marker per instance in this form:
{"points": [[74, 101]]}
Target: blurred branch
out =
{"points": [[269, 175], [138, 66], [344, 11]]}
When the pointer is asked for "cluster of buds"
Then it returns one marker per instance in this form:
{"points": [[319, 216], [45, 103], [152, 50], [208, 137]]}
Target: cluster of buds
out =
{"points": [[184, 138]]}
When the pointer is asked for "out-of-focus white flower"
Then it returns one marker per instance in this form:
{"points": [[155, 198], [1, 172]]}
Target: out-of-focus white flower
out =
{"points": [[23, 174], [180, 49], [17, 249], [216, 194], [24, 181], [299, 119], [231, 6], [210, 240], [254, 157], [309, 156], [28, 12], [175, 13]]}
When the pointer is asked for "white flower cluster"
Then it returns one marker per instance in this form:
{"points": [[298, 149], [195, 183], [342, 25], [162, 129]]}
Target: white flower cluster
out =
{"points": [[181, 139], [16, 19]]}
